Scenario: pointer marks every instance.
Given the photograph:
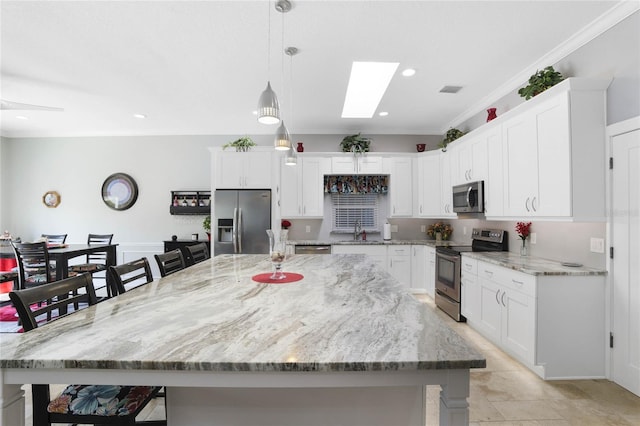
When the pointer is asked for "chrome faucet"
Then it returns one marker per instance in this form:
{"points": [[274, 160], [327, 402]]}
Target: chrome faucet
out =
{"points": [[357, 230]]}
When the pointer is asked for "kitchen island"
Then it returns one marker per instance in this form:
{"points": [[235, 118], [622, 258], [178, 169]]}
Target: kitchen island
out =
{"points": [[344, 345]]}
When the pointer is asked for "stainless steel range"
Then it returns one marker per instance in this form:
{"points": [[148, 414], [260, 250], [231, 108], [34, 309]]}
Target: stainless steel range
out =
{"points": [[448, 297]]}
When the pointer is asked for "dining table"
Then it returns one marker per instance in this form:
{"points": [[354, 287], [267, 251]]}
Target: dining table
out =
{"points": [[339, 341], [62, 253]]}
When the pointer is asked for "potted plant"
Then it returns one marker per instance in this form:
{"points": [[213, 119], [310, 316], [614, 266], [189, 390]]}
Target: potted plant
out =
{"points": [[450, 136], [355, 144], [243, 144], [540, 81], [206, 224]]}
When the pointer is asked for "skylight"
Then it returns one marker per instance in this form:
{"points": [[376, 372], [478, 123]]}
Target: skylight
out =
{"points": [[367, 84]]}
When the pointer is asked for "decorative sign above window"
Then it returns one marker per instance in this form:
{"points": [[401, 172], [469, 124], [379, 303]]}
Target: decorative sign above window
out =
{"points": [[356, 184]]}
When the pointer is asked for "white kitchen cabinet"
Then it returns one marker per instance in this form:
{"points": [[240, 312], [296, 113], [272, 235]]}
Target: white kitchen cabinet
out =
{"points": [[356, 164], [399, 263], [527, 316], [419, 266], [243, 170], [469, 291], [302, 187], [554, 153], [400, 186], [427, 186], [472, 162], [431, 270], [447, 164], [494, 183]]}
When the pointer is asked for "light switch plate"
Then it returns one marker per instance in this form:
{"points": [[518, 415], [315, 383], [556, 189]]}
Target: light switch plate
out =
{"points": [[533, 237], [308, 228], [423, 228], [597, 245]]}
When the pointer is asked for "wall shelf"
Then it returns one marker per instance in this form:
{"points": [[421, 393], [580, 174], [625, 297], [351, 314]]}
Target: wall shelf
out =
{"points": [[190, 202]]}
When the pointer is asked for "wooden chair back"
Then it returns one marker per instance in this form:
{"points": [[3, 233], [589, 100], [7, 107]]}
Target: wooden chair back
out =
{"points": [[131, 274], [170, 262], [31, 303], [34, 266], [55, 238], [97, 240], [198, 253]]}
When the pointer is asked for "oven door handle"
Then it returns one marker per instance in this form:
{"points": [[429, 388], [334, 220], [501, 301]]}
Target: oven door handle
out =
{"points": [[453, 258]]}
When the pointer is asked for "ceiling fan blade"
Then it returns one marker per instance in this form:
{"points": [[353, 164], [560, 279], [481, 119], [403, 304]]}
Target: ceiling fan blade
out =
{"points": [[8, 105]]}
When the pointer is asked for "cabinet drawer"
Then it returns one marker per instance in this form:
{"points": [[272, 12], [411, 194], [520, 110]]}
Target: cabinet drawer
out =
{"points": [[508, 278], [469, 266], [399, 251]]}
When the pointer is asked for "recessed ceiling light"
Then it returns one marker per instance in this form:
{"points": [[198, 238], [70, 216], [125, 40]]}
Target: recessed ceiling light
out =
{"points": [[139, 116], [409, 72], [21, 117], [367, 84], [450, 89], [383, 113]]}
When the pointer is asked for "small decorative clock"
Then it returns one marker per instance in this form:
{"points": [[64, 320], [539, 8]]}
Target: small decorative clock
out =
{"points": [[51, 199]]}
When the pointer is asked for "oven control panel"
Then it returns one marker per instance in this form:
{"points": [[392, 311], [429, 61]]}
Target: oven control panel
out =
{"points": [[490, 235]]}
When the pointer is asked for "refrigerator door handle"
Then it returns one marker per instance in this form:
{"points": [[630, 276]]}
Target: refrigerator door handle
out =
{"points": [[239, 231], [234, 231]]}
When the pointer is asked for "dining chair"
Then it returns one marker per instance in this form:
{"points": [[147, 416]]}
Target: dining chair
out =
{"points": [[170, 262], [55, 238], [95, 262], [34, 266], [77, 404], [197, 253], [130, 275]]}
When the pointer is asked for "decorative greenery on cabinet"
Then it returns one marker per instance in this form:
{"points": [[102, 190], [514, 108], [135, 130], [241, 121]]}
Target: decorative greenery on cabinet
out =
{"points": [[540, 81], [355, 144], [243, 144]]}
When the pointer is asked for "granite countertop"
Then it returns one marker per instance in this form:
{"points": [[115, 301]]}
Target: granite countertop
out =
{"points": [[346, 314], [351, 242], [532, 265]]}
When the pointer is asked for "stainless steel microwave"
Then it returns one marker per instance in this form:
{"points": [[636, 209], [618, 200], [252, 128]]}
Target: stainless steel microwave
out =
{"points": [[469, 197]]}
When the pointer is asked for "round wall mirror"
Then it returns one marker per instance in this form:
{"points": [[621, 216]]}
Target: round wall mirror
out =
{"points": [[119, 191]]}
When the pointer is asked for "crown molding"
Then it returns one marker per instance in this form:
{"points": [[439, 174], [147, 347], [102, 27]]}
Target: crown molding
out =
{"points": [[607, 20]]}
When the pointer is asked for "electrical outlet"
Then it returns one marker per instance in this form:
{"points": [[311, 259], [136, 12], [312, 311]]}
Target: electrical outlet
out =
{"points": [[394, 228], [597, 245], [464, 230], [533, 237], [423, 228], [308, 228]]}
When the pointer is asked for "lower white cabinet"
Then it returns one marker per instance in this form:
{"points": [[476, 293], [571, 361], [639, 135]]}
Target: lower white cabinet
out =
{"points": [[553, 324], [431, 271], [419, 266]]}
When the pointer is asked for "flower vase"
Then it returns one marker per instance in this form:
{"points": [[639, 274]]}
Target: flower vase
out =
{"points": [[524, 250], [491, 114], [300, 147], [438, 236]]}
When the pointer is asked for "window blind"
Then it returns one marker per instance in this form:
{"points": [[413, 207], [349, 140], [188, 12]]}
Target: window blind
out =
{"points": [[348, 208]]}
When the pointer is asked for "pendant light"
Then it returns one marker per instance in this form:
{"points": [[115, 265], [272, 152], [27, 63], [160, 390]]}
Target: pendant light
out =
{"points": [[268, 105], [283, 139], [292, 157]]}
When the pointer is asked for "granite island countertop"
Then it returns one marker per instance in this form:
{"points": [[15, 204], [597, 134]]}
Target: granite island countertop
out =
{"points": [[532, 265], [344, 315], [351, 242]]}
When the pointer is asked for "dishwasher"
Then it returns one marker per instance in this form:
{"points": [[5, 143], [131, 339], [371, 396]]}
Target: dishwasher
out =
{"points": [[315, 249]]}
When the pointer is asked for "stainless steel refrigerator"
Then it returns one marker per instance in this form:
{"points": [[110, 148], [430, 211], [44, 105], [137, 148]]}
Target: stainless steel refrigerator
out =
{"points": [[241, 220]]}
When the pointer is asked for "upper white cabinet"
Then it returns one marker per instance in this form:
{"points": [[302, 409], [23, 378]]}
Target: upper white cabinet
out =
{"points": [[400, 186], [447, 166], [302, 187], [554, 154], [243, 170], [471, 159], [494, 182], [427, 187], [356, 164]]}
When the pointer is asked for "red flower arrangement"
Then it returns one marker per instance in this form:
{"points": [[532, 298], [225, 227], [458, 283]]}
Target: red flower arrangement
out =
{"points": [[523, 229], [285, 224]]}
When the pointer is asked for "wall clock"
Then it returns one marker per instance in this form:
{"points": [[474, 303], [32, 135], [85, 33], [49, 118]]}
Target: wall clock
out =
{"points": [[51, 199], [119, 191]]}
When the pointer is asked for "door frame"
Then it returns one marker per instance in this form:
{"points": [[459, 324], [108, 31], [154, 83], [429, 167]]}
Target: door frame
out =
{"points": [[612, 131]]}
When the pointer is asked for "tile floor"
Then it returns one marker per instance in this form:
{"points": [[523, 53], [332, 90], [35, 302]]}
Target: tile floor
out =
{"points": [[507, 394]]}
